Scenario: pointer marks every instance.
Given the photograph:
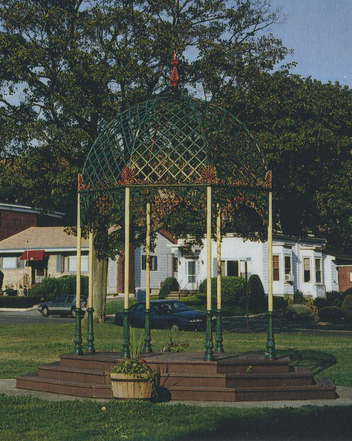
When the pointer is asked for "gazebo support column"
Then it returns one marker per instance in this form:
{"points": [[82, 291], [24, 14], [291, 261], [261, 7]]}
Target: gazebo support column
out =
{"points": [[147, 336], [208, 356], [219, 338], [90, 332], [125, 353], [270, 344], [78, 327]]}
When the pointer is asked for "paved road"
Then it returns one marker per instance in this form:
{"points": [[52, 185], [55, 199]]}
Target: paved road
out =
{"points": [[33, 317], [232, 324]]}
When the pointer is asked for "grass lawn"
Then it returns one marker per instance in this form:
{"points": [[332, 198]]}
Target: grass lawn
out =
{"points": [[24, 347], [24, 418]]}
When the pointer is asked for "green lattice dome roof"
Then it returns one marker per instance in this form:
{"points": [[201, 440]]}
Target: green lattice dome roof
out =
{"points": [[174, 141]]}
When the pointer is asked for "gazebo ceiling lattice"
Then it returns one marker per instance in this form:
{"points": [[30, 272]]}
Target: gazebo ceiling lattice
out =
{"points": [[175, 141]]}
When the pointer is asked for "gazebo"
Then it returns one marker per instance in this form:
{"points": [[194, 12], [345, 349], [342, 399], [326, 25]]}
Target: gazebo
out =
{"points": [[175, 148], [169, 150]]}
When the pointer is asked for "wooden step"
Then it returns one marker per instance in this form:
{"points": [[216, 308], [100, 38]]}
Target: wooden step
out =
{"points": [[294, 378], [57, 371], [318, 391], [88, 390]]}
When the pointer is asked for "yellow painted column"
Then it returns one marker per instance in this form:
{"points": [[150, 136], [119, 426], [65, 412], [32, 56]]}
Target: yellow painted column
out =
{"points": [[127, 248], [270, 344], [79, 253], [218, 274], [209, 253], [147, 335], [90, 265], [78, 329], [125, 353], [147, 258], [219, 338], [209, 356], [270, 254]]}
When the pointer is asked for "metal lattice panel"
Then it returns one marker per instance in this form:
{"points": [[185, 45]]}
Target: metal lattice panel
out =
{"points": [[175, 141]]}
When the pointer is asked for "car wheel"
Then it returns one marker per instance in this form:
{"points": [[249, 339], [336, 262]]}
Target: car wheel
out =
{"points": [[73, 312], [175, 327], [45, 311]]}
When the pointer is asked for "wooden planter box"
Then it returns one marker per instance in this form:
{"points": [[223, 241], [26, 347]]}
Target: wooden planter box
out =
{"points": [[130, 387]]}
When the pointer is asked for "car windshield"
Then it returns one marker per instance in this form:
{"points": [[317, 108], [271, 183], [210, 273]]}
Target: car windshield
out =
{"points": [[179, 307]]}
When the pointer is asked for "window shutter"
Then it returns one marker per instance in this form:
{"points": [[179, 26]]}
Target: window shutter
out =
{"points": [[58, 263]]}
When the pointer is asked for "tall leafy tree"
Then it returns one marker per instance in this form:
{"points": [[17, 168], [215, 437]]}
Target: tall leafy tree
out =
{"points": [[67, 66], [305, 129]]}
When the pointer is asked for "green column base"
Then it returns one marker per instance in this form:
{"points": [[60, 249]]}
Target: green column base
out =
{"points": [[125, 352], [270, 343], [208, 355], [90, 334], [78, 333], [219, 339], [147, 336]]}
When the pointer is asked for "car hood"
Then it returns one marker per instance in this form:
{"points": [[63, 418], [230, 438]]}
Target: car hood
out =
{"points": [[190, 314]]}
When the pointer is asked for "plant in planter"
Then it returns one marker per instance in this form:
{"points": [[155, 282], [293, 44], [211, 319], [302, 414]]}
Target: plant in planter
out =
{"points": [[132, 378]]}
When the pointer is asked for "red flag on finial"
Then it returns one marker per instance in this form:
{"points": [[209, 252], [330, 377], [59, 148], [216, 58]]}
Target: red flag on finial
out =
{"points": [[174, 75]]}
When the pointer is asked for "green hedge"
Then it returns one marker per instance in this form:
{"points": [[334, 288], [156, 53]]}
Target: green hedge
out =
{"points": [[331, 314], [169, 284], [18, 302], [52, 288], [232, 289], [346, 307]]}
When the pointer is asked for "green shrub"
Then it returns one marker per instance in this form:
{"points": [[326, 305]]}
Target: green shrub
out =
{"points": [[11, 292], [232, 289], [331, 314], [348, 292], [169, 284], [18, 302], [255, 287], [298, 297], [51, 288], [280, 302], [37, 291], [67, 285], [299, 312], [335, 298], [321, 303], [346, 307]]}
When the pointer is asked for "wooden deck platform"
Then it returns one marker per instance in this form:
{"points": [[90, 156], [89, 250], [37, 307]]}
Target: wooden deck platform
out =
{"points": [[185, 377]]}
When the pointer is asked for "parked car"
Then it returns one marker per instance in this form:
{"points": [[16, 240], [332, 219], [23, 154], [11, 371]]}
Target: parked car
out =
{"points": [[170, 314], [62, 305]]}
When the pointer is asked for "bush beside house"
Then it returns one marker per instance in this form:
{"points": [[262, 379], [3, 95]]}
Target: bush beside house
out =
{"points": [[52, 288], [232, 289], [169, 284]]}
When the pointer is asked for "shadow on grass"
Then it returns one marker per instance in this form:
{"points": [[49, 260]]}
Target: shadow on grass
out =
{"points": [[316, 361], [305, 423]]}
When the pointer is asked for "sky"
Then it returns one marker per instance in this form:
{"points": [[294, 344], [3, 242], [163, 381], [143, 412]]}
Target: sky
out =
{"points": [[320, 32]]}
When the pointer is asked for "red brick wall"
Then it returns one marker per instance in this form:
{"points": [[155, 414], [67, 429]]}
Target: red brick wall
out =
{"points": [[344, 277], [12, 222]]}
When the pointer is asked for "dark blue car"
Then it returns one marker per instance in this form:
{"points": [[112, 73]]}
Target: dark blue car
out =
{"points": [[170, 314]]}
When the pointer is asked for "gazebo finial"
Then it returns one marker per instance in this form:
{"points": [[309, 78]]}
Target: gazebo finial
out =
{"points": [[174, 78]]}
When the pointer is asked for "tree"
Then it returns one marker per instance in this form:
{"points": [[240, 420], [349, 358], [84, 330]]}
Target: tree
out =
{"points": [[305, 129], [67, 66]]}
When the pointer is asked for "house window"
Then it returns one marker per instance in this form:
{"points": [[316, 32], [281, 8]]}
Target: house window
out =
{"points": [[276, 268], [11, 263], [306, 269], [233, 268], [350, 277], [153, 263], [288, 267], [174, 265], [191, 266], [72, 264], [318, 272]]}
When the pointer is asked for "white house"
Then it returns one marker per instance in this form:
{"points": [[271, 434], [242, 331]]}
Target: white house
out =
{"points": [[298, 264]]}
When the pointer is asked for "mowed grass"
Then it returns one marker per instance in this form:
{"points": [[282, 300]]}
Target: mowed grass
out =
{"points": [[24, 347], [27, 418]]}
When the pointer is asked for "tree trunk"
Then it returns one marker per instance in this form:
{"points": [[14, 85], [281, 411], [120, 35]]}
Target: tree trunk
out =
{"points": [[100, 283]]}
